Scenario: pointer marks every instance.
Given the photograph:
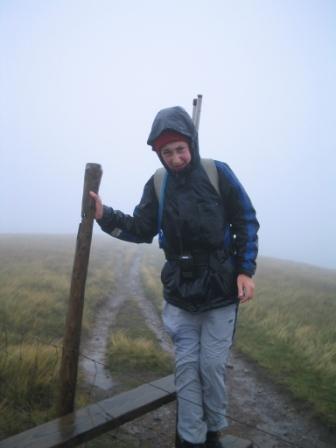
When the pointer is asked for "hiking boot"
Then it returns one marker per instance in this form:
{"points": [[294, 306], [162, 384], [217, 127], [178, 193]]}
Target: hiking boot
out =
{"points": [[213, 440], [184, 444]]}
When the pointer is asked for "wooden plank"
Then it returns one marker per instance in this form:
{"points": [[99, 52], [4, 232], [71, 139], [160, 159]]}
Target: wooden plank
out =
{"points": [[91, 421]]}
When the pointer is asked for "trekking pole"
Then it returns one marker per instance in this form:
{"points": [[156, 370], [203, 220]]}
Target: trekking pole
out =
{"points": [[71, 341], [196, 114]]}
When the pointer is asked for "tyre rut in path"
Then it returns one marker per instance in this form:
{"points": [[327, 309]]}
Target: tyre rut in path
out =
{"points": [[93, 350], [149, 312]]}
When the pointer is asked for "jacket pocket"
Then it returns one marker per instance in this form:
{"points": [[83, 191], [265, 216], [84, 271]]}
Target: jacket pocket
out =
{"points": [[193, 290], [223, 278]]}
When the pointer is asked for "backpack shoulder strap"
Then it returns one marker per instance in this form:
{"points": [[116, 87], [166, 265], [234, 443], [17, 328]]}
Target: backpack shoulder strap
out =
{"points": [[158, 180], [211, 170], [160, 183]]}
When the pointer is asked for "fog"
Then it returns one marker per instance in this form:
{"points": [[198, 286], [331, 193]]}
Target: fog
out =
{"points": [[81, 81]]}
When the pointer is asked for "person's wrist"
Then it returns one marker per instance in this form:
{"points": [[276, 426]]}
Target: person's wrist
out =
{"points": [[247, 274]]}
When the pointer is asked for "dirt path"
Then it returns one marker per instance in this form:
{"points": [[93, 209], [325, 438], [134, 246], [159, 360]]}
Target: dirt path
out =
{"points": [[258, 403], [93, 350], [259, 411]]}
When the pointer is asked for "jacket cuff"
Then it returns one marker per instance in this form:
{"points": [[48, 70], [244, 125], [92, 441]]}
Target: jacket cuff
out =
{"points": [[248, 274], [108, 215]]}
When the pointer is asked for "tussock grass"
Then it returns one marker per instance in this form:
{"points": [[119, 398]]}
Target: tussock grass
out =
{"points": [[289, 329], [28, 384], [134, 354], [35, 283], [27, 372], [152, 262], [35, 275]]}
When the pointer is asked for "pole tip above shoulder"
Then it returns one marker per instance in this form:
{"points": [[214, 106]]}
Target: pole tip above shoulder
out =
{"points": [[93, 166]]}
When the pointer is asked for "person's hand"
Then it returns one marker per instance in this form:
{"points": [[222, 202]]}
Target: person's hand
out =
{"points": [[245, 288], [99, 205]]}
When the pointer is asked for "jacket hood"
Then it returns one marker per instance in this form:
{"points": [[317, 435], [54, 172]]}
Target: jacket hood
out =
{"points": [[176, 119]]}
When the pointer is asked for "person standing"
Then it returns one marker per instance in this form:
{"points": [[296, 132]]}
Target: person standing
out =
{"points": [[208, 233]]}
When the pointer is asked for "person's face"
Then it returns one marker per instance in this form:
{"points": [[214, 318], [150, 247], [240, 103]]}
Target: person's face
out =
{"points": [[176, 155]]}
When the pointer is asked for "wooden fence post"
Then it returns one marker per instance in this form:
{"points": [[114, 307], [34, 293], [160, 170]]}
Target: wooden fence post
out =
{"points": [[71, 341]]}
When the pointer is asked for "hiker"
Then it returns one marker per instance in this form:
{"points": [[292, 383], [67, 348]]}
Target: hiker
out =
{"points": [[207, 228]]}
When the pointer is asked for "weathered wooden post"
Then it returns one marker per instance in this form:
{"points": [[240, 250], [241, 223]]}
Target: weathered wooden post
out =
{"points": [[73, 325]]}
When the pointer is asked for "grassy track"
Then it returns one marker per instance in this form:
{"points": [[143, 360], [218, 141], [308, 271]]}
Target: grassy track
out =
{"points": [[35, 275], [134, 358], [134, 350], [289, 327]]}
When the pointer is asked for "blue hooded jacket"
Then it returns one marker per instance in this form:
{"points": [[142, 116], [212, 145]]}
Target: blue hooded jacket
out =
{"points": [[216, 233]]}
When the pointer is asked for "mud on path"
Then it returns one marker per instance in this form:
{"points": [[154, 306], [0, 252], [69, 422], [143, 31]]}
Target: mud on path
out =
{"points": [[258, 410], [93, 349]]}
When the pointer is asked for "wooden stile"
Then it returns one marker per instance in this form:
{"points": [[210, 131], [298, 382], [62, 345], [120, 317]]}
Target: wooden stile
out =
{"points": [[91, 421]]}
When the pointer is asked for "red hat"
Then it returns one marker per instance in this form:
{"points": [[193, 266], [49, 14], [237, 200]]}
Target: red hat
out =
{"points": [[168, 137]]}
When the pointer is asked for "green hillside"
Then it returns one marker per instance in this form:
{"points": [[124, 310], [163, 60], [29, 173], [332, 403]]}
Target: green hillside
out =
{"points": [[35, 273], [288, 329]]}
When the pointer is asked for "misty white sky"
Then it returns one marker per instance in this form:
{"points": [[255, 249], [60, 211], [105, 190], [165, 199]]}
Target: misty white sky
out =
{"points": [[81, 81]]}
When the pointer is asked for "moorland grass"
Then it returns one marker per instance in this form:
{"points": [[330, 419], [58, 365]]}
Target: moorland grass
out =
{"points": [[133, 352], [289, 329], [35, 275], [35, 280], [28, 382], [152, 261]]}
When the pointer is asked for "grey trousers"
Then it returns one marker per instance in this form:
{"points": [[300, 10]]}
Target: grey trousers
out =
{"points": [[202, 345]]}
